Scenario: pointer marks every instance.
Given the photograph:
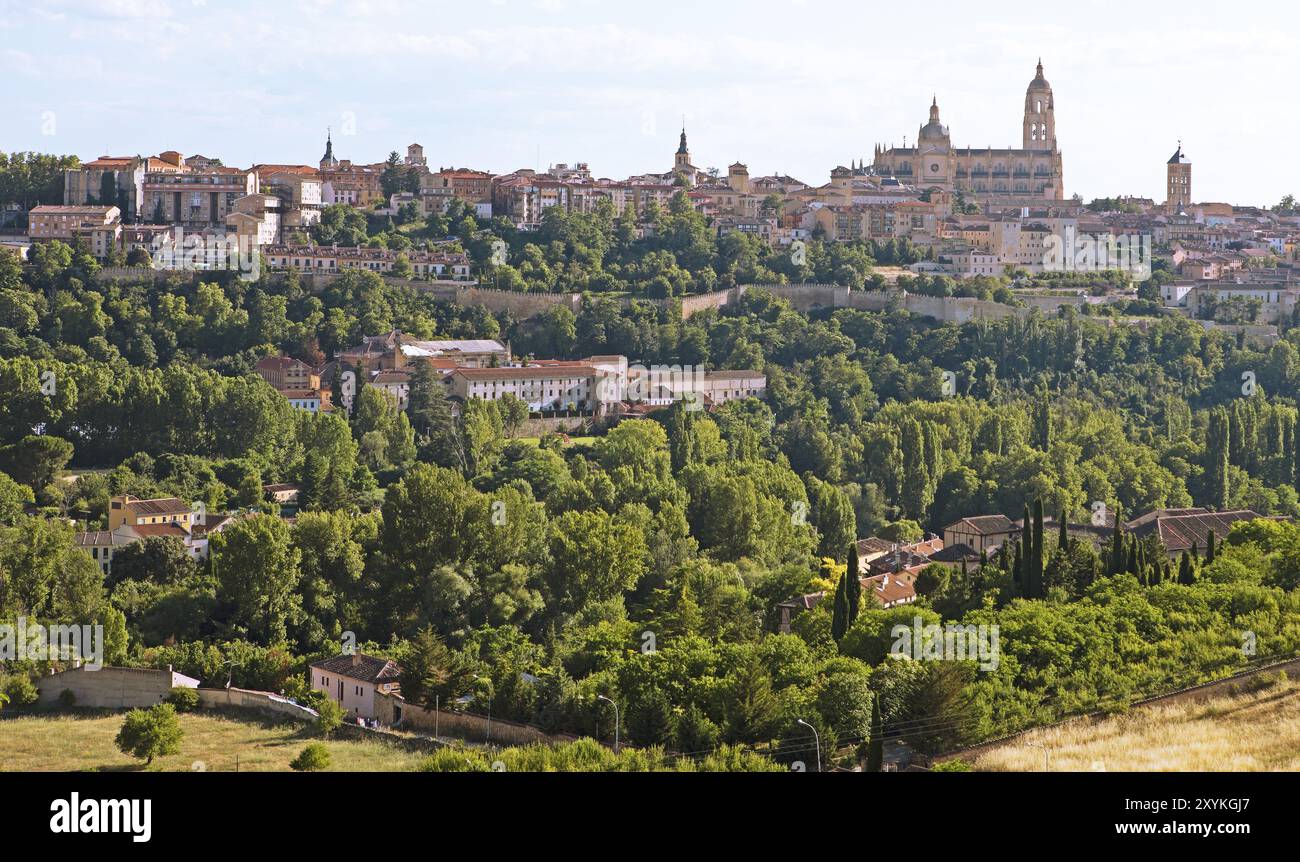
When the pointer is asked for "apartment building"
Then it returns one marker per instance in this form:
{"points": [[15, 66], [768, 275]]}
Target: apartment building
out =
{"points": [[196, 197], [331, 260], [68, 222], [257, 219], [300, 190], [98, 228], [554, 387], [1276, 302]]}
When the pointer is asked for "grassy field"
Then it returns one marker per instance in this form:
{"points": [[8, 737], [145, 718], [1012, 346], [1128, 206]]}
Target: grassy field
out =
{"points": [[1252, 732], [83, 742]]}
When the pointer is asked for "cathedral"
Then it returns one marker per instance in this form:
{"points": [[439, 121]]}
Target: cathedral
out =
{"points": [[1028, 175]]}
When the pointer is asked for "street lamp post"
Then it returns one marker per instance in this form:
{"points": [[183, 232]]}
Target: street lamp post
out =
{"points": [[817, 741], [615, 705]]}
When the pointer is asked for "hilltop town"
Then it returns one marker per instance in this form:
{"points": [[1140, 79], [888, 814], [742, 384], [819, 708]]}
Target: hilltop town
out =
{"points": [[725, 471]]}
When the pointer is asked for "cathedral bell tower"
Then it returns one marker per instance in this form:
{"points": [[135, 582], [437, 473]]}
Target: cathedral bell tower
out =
{"points": [[1040, 114]]}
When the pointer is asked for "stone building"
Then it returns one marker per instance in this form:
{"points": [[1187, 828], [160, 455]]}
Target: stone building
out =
{"points": [[1178, 182], [1031, 173]]}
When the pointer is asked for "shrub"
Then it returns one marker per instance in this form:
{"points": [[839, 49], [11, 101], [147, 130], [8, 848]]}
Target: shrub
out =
{"points": [[19, 690], [329, 717], [148, 733], [184, 699], [67, 699], [951, 766], [314, 756]]}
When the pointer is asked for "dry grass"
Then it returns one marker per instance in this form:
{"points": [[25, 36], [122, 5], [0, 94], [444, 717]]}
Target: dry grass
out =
{"points": [[78, 742], [1252, 732]]}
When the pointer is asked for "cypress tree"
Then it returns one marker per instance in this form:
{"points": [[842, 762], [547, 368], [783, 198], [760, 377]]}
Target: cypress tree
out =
{"points": [[1116, 549], [1036, 566], [876, 747], [840, 612], [1131, 566], [1185, 569], [1209, 548], [1295, 457], [853, 585], [1196, 551], [1027, 555], [1017, 569], [1063, 540]]}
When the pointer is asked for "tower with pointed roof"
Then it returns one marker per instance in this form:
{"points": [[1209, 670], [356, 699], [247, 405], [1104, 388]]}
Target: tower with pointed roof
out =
{"points": [[1040, 114], [1178, 182], [327, 161], [682, 158]]}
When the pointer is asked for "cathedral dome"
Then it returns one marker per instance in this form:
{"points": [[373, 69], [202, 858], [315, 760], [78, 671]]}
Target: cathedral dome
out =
{"points": [[934, 130]]}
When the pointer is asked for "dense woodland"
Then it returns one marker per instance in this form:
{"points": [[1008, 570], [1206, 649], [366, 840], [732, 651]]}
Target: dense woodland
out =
{"points": [[646, 565]]}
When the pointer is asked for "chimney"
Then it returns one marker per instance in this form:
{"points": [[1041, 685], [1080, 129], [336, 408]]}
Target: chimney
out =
{"points": [[356, 659]]}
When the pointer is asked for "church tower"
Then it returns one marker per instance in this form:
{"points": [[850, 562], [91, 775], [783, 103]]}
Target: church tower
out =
{"points": [[682, 160], [1040, 114], [1178, 182], [327, 161]]}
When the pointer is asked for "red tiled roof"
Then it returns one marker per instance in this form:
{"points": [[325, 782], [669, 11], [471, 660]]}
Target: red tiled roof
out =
{"points": [[360, 667]]}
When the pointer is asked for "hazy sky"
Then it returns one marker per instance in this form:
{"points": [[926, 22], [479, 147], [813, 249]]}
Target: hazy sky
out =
{"points": [[794, 87]]}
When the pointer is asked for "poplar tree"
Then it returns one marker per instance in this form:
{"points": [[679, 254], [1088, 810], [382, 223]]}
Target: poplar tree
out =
{"points": [[1043, 421], [1218, 440]]}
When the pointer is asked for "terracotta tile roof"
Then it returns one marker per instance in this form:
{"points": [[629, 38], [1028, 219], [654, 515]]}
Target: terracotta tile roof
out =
{"points": [[983, 525], [890, 588], [874, 545], [1179, 533], [527, 372], [174, 531], [211, 524], [109, 162], [102, 539], [159, 506], [955, 554], [363, 668]]}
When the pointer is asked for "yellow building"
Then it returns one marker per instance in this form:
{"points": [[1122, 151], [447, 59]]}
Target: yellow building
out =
{"points": [[135, 512], [1032, 173]]}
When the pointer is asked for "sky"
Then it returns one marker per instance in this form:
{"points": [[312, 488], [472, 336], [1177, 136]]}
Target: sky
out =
{"points": [[793, 87]]}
